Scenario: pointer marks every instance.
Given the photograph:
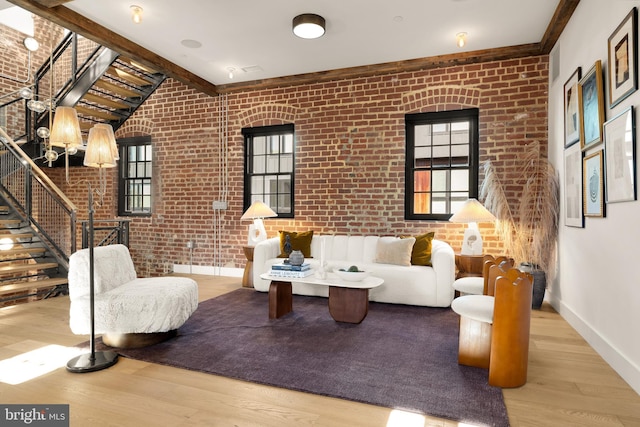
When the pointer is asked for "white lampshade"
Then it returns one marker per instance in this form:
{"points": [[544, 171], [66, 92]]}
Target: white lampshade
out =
{"points": [[102, 151], [257, 211], [472, 212], [65, 131]]}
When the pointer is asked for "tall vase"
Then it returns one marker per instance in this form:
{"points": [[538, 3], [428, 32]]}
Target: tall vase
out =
{"points": [[539, 283]]}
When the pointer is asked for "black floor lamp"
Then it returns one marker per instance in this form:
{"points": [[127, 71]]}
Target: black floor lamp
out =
{"points": [[101, 153]]}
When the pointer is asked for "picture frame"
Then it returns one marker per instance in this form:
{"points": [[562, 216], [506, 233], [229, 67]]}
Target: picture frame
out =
{"points": [[591, 103], [573, 211], [623, 59], [571, 110], [593, 185], [620, 157]]}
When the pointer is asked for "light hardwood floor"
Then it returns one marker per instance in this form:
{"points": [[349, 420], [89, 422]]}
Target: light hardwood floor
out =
{"points": [[568, 383]]}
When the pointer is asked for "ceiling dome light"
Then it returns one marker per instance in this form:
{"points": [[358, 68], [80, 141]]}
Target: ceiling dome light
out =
{"points": [[231, 70], [136, 13], [308, 26], [461, 39], [31, 44]]}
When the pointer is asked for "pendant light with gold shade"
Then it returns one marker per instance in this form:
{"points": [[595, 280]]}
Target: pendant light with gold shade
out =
{"points": [[65, 133]]}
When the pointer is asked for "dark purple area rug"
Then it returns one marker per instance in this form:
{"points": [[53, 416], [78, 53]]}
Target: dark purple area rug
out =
{"points": [[401, 357]]}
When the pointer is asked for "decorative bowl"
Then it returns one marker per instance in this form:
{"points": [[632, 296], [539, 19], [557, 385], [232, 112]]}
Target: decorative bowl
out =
{"points": [[351, 276]]}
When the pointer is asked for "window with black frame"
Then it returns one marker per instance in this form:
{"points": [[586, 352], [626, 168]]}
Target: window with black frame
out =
{"points": [[441, 170], [135, 167], [269, 167]]}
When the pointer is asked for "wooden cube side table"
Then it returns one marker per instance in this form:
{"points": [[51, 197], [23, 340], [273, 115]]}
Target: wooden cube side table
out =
{"points": [[247, 277], [469, 265]]}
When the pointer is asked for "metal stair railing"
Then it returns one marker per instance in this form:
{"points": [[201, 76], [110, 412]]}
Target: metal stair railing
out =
{"points": [[107, 232], [60, 74], [38, 199]]}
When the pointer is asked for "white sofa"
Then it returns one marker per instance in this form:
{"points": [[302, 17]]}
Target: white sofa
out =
{"points": [[413, 285]]}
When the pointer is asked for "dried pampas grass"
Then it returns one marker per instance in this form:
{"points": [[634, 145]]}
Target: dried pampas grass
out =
{"points": [[528, 228]]}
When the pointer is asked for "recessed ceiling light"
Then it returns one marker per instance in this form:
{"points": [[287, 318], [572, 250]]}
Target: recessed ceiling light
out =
{"points": [[230, 70], [398, 18], [191, 44]]}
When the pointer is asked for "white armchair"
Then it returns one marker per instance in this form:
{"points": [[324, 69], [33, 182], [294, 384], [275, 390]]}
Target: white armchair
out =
{"points": [[129, 311]]}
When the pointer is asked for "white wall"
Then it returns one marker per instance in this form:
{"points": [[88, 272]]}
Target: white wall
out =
{"points": [[597, 288]]}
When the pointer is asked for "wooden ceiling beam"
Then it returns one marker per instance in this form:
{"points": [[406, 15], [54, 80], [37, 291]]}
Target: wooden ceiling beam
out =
{"points": [[441, 61], [77, 23], [559, 20], [51, 3]]}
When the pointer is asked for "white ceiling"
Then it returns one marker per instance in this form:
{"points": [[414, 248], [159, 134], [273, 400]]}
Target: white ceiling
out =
{"points": [[248, 34]]}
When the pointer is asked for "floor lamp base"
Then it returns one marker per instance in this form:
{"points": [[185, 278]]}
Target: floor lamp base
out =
{"points": [[84, 362]]}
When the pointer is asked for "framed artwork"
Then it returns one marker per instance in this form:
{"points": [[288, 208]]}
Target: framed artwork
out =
{"points": [[620, 157], [571, 110], [623, 59], [593, 185], [591, 104], [573, 214]]}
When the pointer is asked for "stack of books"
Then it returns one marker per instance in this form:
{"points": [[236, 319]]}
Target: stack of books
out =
{"points": [[288, 270]]}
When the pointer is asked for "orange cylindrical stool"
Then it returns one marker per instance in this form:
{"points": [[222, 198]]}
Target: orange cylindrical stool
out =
{"points": [[510, 334]]}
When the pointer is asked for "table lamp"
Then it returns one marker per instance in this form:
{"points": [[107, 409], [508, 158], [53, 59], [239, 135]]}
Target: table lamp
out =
{"points": [[257, 211], [472, 212]]}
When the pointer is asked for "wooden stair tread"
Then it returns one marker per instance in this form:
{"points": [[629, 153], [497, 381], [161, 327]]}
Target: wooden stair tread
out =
{"points": [[117, 89], [108, 102], [22, 250], [18, 268], [131, 78], [137, 65], [10, 222], [4, 209], [85, 125], [35, 284], [16, 235], [96, 113]]}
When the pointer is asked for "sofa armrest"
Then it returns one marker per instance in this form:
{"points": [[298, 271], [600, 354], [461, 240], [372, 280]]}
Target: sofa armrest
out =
{"points": [[444, 264], [265, 250]]}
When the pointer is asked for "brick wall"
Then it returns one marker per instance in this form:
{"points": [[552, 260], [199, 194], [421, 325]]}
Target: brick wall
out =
{"points": [[349, 155]]}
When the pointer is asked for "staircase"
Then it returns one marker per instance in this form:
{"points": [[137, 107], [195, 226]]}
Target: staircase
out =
{"points": [[106, 88], [37, 221], [28, 272], [112, 98]]}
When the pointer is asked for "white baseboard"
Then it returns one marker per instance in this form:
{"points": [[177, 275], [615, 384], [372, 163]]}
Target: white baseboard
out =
{"points": [[208, 270], [628, 370]]}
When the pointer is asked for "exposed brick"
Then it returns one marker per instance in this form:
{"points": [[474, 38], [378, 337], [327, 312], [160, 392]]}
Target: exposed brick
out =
{"points": [[349, 155]]}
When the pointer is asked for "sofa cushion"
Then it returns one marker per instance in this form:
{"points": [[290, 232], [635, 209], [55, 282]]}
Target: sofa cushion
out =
{"points": [[299, 242], [421, 253], [396, 251]]}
